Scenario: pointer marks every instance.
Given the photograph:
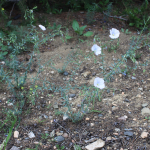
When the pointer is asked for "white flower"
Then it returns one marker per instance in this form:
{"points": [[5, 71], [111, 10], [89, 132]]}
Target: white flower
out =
{"points": [[114, 33], [96, 49], [42, 27], [2, 62], [99, 83]]}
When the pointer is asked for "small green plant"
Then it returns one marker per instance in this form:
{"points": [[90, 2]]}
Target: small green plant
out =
{"points": [[103, 5], [77, 147], [112, 48], [60, 147], [79, 30], [44, 136], [125, 31], [58, 113], [55, 27], [147, 118], [6, 140], [138, 56], [138, 16], [29, 15]]}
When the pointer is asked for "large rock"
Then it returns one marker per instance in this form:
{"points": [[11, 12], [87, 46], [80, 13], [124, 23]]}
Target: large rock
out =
{"points": [[97, 144]]}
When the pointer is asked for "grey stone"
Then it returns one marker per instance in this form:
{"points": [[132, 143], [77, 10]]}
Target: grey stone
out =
{"points": [[46, 132], [50, 117], [101, 67], [145, 105], [114, 58], [55, 106], [133, 78], [45, 116], [65, 73], [59, 139], [72, 95], [126, 100], [14, 148], [95, 145], [79, 106], [145, 111], [130, 129], [94, 73], [85, 133], [52, 134], [90, 140], [31, 135], [117, 129], [65, 117], [141, 89], [40, 117], [128, 133], [100, 115]]}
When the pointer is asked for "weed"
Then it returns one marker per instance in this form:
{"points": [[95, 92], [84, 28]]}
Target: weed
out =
{"points": [[138, 16], [60, 147], [58, 113], [77, 147], [6, 140], [44, 136], [147, 118], [79, 30], [125, 31]]}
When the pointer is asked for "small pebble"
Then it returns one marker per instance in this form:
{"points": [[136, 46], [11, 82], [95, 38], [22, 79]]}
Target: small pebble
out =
{"points": [[59, 139], [144, 134], [65, 135], [14, 148], [31, 135], [16, 134], [100, 115], [133, 78], [65, 73], [128, 133], [72, 95], [52, 134], [117, 129], [145, 105]]}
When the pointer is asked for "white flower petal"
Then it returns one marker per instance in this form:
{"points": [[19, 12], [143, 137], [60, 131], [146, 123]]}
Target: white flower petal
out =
{"points": [[114, 33], [42, 27], [99, 83], [97, 52], [96, 49]]}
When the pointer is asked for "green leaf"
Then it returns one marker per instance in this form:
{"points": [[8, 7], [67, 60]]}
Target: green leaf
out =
{"points": [[1, 44], [122, 29], [10, 47], [4, 53], [81, 29], [106, 1], [75, 25], [9, 23], [2, 34], [58, 26], [68, 37], [131, 24], [3, 48], [89, 33]]}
